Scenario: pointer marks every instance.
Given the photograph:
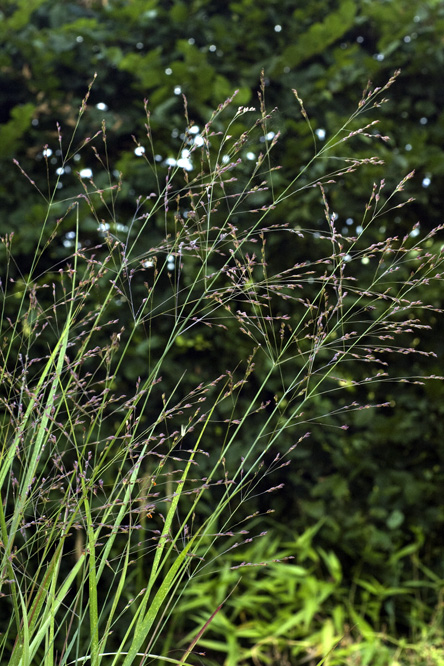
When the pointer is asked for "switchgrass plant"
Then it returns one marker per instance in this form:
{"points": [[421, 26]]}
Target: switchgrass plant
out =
{"points": [[122, 468]]}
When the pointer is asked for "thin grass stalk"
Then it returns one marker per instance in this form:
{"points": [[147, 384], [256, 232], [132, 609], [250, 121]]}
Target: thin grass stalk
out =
{"points": [[32, 465], [147, 618], [52, 610], [116, 599], [92, 580]]}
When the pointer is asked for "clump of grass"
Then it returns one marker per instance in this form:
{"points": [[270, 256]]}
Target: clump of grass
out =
{"points": [[114, 491]]}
